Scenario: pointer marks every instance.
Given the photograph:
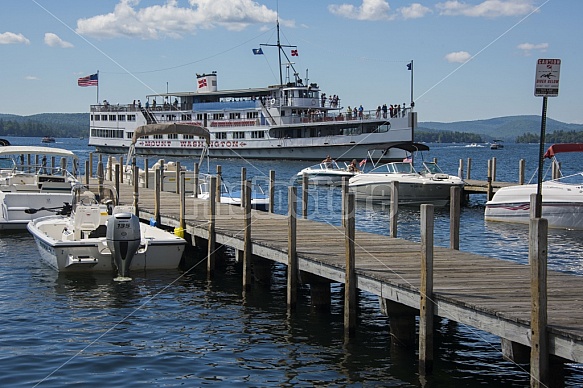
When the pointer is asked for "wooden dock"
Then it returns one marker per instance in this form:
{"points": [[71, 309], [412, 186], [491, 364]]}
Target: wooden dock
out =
{"points": [[489, 294]]}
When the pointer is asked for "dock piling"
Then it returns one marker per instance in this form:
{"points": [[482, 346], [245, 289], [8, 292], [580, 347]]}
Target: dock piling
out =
{"points": [[292, 259], [212, 238], [350, 276], [394, 210], [537, 253], [247, 275], [426, 308], [454, 217]]}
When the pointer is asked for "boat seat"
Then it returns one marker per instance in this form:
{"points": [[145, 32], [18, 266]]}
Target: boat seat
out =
{"points": [[87, 219]]}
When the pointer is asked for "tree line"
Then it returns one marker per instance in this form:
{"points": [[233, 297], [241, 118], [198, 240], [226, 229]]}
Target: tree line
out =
{"points": [[32, 128], [447, 137], [553, 137]]}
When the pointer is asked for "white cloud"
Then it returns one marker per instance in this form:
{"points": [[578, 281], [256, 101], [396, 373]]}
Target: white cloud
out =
{"points": [[53, 40], [12, 38], [458, 57], [171, 20], [527, 48], [31, 78], [369, 10], [414, 11], [487, 8]]}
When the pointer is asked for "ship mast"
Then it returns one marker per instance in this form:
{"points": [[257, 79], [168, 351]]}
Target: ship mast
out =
{"points": [[280, 51]]}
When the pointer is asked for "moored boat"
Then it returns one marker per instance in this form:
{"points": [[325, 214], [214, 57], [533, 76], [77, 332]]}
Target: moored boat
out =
{"points": [[33, 179], [232, 195], [562, 198], [429, 186], [328, 172], [99, 235], [291, 120], [48, 139]]}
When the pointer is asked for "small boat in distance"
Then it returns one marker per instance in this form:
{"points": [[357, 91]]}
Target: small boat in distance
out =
{"points": [[496, 145], [562, 198], [48, 139]]}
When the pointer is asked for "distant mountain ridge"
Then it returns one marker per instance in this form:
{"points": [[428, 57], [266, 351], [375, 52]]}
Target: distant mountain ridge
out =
{"points": [[504, 128]]}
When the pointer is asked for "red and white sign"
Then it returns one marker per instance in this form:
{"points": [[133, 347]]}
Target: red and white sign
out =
{"points": [[546, 83]]}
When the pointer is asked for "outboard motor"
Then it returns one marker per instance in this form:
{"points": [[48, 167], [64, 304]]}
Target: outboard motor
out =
{"points": [[123, 240]]}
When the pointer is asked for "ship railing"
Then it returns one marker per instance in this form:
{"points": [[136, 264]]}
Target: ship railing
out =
{"points": [[114, 108]]}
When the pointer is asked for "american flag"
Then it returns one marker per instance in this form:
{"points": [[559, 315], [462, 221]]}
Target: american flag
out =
{"points": [[90, 80], [294, 53], [202, 83]]}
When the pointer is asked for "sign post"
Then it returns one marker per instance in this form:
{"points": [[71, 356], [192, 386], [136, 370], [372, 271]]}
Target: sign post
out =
{"points": [[546, 84]]}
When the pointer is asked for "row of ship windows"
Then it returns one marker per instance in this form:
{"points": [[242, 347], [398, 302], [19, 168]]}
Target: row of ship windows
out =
{"points": [[183, 117], [97, 117], [118, 133]]}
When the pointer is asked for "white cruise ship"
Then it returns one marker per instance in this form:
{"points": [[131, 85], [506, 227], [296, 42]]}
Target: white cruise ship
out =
{"points": [[293, 120]]}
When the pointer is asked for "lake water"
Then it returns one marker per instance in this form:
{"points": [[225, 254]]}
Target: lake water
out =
{"points": [[174, 328]]}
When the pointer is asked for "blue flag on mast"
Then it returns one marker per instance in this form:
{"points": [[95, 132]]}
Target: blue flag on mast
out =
{"points": [[258, 51]]}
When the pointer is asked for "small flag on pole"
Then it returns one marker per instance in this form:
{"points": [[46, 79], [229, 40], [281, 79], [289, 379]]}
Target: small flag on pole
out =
{"points": [[90, 80], [409, 65], [294, 53], [258, 51]]}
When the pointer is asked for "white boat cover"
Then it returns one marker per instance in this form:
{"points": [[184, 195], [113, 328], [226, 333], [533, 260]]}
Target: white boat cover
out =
{"points": [[164, 129], [17, 150]]}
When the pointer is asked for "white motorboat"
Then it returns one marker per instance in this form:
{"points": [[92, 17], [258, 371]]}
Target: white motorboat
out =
{"points": [[562, 198], [430, 186], [326, 173], [232, 196], [34, 179], [98, 235], [496, 145]]}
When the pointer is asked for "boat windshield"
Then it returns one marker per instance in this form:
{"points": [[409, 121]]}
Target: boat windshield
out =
{"points": [[394, 168], [432, 168], [332, 165], [93, 195]]}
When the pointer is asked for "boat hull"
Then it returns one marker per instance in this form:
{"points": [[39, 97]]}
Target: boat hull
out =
{"points": [[300, 152], [410, 193], [562, 205]]}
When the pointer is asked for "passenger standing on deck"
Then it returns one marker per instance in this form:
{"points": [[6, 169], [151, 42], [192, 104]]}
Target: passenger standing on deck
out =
{"points": [[384, 111], [360, 111]]}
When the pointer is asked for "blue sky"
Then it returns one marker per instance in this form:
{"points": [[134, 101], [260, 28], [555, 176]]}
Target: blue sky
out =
{"points": [[473, 59]]}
